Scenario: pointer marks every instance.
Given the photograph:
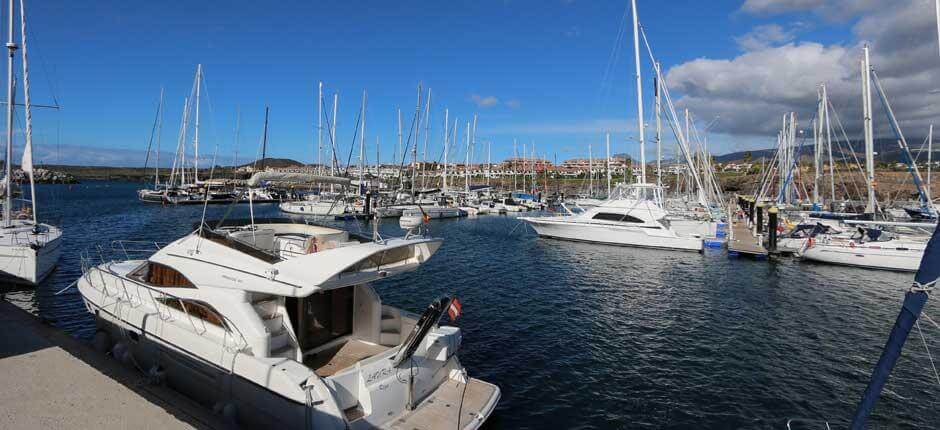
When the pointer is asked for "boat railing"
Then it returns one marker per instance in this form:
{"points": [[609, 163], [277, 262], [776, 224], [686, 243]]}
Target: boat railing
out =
{"points": [[159, 300], [135, 249]]}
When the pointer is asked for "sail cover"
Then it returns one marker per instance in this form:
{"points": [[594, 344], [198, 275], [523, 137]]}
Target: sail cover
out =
{"points": [[295, 178], [930, 263]]}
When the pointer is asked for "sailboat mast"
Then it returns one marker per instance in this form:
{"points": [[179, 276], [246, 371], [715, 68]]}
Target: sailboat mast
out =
{"points": [[264, 138], [333, 165], [156, 166], [446, 129], [832, 176], [639, 93], [362, 142], [196, 131], [590, 172], [466, 166], [659, 126], [929, 162], [8, 192], [608, 163], [869, 139], [414, 144], [320, 127]]}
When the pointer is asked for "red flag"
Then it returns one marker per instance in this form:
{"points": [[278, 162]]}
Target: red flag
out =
{"points": [[455, 309]]}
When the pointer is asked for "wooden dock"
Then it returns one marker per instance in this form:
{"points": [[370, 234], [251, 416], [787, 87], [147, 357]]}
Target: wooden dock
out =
{"points": [[743, 241], [53, 381]]}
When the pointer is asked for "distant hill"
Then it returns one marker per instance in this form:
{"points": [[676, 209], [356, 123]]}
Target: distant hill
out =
{"points": [[275, 162], [886, 151]]}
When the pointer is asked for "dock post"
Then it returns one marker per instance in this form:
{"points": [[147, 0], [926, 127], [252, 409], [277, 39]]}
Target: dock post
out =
{"points": [[760, 218], [772, 227], [368, 206], [750, 212]]}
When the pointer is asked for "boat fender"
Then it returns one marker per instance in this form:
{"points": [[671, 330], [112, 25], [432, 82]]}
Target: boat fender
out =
{"points": [[121, 352], [852, 244], [156, 375], [101, 341]]}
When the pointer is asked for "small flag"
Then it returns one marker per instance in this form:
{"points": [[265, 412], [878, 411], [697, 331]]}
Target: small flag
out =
{"points": [[426, 218], [454, 309]]}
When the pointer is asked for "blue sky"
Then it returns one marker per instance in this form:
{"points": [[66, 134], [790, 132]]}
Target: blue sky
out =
{"points": [[546, 71]]}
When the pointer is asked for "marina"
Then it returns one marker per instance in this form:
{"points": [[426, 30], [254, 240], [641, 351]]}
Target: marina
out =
{"points": [[756, 248]]}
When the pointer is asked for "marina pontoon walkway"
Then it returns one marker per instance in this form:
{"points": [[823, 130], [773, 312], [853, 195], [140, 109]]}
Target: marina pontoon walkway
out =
{"points": [[54, 381], [744, 242]]}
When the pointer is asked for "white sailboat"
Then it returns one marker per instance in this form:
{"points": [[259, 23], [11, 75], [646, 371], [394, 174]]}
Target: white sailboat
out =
{"points": [[29, 250], [275, 324], [872, 247]]}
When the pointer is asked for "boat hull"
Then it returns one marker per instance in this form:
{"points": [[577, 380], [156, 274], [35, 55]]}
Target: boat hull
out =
{"points": [[905, 260], [613, 234]]}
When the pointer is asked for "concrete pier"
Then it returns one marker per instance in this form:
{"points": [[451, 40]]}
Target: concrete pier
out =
{"points": [[53, 381]]}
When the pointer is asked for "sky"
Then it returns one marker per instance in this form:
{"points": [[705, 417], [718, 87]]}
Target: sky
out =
{"points": [[555, 74]]}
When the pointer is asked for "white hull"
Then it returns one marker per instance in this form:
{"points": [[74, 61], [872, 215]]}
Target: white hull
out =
{"points": [[884, 256], [26, 257], [613, 234], [313, 208], [414, 217]]}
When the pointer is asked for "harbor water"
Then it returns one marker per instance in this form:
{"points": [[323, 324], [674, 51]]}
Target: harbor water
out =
{"points": [[587, 336]]}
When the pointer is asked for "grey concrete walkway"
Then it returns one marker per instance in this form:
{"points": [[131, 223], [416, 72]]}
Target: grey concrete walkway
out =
{"points": [[49, 380]]}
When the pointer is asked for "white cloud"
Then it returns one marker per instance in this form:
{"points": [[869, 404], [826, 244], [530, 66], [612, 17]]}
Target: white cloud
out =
{"points": [[753, 90], [484, 101], [829, 9], [765, 36], [513, 104]]}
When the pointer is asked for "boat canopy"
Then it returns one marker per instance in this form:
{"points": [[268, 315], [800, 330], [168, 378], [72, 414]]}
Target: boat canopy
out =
{"points": [[295, 178]]}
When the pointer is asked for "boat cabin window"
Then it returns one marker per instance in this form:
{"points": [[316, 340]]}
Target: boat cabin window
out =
{"points": [[322, 317], [605, 216], [159, 275], [195, 308]]}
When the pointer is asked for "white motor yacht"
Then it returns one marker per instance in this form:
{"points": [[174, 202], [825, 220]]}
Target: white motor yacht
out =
{"points": [[274, 325], [633, 216]]}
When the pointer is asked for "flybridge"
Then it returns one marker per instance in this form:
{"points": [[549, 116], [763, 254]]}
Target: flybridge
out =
{"points": [[289, 259]]}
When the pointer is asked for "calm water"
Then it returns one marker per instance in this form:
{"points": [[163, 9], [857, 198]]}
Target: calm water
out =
{"points": [[583, 336]]}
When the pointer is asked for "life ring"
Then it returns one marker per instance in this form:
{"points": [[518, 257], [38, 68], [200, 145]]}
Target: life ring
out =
{"points": [[851, 244]]}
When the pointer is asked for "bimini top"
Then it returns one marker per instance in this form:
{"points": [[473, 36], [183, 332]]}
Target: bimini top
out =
{"points": [[259, 178], [288, 259]]}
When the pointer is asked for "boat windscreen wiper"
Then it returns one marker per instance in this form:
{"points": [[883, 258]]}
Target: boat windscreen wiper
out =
{"points": [[430, 318]]}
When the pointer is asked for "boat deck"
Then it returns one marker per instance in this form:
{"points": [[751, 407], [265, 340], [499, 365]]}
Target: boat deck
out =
{"points": [[744, 242], [469, 404], [328, 362]]}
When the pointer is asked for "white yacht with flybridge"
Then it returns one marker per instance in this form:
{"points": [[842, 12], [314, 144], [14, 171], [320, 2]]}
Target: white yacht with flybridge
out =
{"points": [[29, 250], [634, 214], [274, 324]]}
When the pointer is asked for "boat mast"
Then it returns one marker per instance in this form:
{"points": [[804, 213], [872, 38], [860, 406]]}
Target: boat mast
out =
{"points": [[929, 161], [659, 127], [333, 161], [817, 146], [27, 163], [590, 172], [196, 131], [320, 127], [608, 163], [869, 139], [466, 166], [414, 146], [832, 176], [446, 129], [264, 138], [8, 192], [156, 166], [362, 143], [238, 124], [639, 93]]}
